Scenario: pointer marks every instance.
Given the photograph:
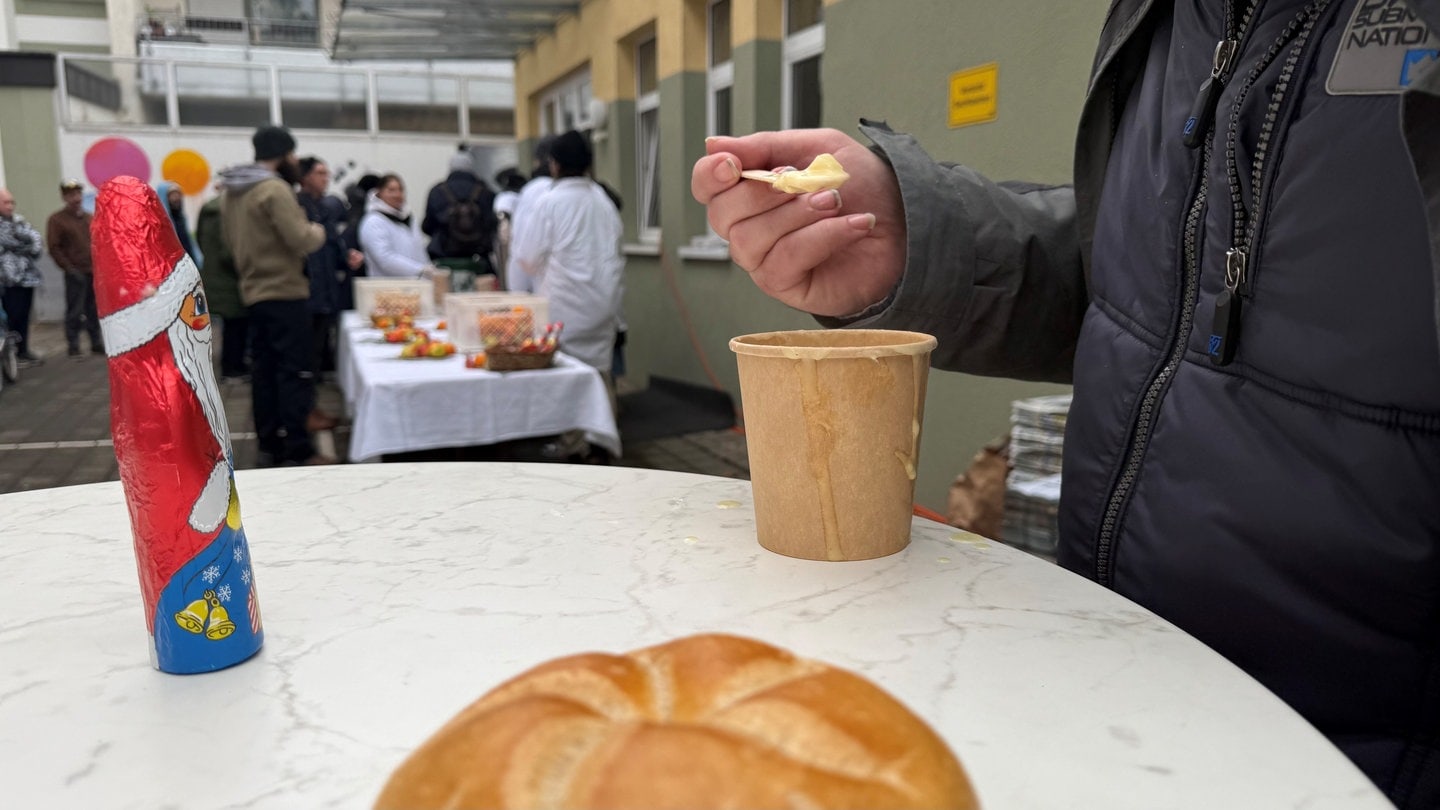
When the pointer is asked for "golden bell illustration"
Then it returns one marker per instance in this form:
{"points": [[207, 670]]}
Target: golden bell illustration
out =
{"points": [[193, 617], [220, 625]]}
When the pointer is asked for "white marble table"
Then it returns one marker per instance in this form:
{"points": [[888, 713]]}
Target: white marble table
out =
{"points": [[398, 406], [394, 595]]}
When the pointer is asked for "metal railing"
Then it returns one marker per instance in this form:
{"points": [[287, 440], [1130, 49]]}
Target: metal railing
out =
{"points": [[116, 91]]}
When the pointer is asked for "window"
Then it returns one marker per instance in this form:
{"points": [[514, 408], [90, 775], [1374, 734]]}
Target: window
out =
{"points": [[566, 106], [721, 76], [647, 140], [800, 90]]}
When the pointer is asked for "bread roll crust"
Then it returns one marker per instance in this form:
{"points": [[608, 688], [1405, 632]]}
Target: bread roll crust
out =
{"points": [[708, 721]]}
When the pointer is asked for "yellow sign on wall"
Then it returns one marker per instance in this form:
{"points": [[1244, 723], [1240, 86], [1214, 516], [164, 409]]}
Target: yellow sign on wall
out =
{"points": [[974, 95]]}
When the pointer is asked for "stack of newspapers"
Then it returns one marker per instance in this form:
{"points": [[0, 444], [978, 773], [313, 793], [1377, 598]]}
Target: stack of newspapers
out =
{"points": [[1032, 491]]}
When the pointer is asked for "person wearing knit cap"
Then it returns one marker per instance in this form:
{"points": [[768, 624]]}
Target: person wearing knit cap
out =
{"points": [[271, 143], [269, 237], [460, 221]]}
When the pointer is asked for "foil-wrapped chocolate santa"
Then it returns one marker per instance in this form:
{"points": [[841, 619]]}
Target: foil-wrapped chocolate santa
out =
{"points": [[171, 439]]}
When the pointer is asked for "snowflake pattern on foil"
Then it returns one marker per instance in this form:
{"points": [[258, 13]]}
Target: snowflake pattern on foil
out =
{"points": [[223, 592], [210, 574], [245, 576]]}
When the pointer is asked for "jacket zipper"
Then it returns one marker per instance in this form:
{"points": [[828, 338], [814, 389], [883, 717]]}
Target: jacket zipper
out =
{"points": [[1237, 32], [1225, 331], [1298, 31]]}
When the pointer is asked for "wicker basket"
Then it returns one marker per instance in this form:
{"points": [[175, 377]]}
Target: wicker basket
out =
{"points": [[500, 360]]}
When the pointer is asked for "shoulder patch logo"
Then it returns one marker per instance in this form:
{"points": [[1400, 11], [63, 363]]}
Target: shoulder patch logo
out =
{"points": [[1382, 50]]}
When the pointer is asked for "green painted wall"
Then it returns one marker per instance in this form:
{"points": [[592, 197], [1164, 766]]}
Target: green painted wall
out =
{"points": [[31, 150], [615, 161], [51, 47], [92, 9], [881, 64], [756, 102], [682, 112]]}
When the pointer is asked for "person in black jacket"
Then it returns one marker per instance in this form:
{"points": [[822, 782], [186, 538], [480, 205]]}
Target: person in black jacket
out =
{"points": [[329, 267], [461, 223]]}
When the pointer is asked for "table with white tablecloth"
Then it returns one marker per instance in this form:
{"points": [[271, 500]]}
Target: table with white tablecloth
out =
{"points": [[403, 405]]}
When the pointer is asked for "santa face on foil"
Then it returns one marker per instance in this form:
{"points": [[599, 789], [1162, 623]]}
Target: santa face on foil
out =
{"points": [[171, 438]]}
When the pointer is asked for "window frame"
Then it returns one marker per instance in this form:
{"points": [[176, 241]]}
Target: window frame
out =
{"points": [[804, 44], [569, 96], [647, 166], [718, 77]]}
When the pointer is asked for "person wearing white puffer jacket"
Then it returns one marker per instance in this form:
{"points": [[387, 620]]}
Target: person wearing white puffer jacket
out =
{"points": [[392, 248]]}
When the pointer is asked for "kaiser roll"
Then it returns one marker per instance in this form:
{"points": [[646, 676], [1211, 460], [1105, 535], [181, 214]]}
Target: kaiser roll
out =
{"points": [[707, 721]]}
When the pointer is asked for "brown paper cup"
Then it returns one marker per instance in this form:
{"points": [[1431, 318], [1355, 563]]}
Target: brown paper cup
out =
{"points": [[832, 425]]}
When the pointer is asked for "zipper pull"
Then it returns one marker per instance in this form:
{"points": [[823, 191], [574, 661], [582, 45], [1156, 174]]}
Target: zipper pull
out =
{"points": [[1202, 112], [1225, 330]]}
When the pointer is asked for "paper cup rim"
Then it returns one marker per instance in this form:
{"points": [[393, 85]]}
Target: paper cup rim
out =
{"points": [[896, 342]]}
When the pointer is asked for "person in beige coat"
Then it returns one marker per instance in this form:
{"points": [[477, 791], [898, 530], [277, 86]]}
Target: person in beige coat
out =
{"points": [[269, 237]]}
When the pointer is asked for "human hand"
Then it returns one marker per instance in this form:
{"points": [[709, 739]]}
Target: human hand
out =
{"points": [[354, 258], [831, 252]]}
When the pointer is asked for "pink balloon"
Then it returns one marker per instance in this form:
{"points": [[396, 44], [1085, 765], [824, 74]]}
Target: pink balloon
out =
{"points": [[108, 158]]}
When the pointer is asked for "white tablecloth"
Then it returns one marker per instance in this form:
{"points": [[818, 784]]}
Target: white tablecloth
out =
{"points": [[400, 405]]}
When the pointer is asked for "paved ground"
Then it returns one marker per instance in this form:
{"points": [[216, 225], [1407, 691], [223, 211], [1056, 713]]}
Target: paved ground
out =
{"points": [[55, 427]]}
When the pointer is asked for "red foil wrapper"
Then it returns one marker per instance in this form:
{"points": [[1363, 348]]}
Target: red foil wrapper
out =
{"points": [[171, 439]]}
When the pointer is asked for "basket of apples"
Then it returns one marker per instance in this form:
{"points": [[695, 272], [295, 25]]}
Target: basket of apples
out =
{"points": [[530, 353]]}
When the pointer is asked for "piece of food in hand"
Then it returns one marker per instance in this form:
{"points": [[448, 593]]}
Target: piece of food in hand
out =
{"points": [[706, 721], [822, 173]]}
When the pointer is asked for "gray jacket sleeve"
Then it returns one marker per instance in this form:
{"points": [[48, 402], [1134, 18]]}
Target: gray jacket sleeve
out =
{"points": [[992, 270]]}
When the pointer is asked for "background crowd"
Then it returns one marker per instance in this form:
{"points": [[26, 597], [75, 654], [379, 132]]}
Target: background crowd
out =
{"points": [[278, 253]]}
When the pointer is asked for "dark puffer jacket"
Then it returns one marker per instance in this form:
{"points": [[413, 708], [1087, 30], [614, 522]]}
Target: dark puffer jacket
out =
{"points": [[1284, 508]]}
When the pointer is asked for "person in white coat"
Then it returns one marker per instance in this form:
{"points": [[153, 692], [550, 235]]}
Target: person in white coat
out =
{"points": [[392, 247], [570, 247], [516, 279]]}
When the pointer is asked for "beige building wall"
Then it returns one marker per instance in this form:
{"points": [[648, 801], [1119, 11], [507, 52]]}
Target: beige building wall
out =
{"points": [[881, 60]]}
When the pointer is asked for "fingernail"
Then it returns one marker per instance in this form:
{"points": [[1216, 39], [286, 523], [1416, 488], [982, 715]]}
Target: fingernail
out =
{"points": [[727, 171], [861, 222], [825, 201], [711, 139]]}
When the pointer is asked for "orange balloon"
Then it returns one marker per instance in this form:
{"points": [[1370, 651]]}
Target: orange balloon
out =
{"points": [[187, 169]]}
